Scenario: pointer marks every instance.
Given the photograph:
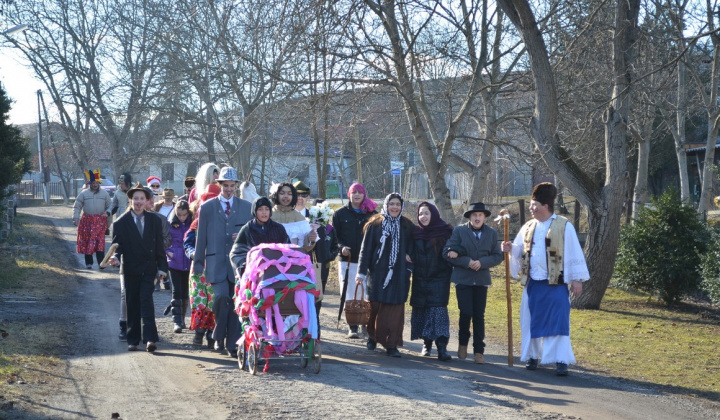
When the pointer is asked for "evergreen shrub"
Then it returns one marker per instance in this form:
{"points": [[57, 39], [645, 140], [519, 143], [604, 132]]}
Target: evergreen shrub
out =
{"points": [[710, 269], [661, 251]]}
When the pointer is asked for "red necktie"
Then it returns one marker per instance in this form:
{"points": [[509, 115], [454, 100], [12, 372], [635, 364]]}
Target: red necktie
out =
{"points": [[227, 209]]}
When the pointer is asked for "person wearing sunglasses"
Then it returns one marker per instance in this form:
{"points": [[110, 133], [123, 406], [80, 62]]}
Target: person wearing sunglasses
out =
{"points": [[155, 185], [303, 192]]}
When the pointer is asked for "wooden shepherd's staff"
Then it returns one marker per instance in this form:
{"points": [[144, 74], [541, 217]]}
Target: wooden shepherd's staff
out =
{"points": [[109, 255], [504, 217]]}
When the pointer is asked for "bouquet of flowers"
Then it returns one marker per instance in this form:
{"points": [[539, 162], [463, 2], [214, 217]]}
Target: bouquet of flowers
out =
{"points": [[320, 214]]}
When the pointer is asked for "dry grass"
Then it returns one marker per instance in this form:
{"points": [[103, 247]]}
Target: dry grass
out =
{"points": [[34, 268], [632, 337]]}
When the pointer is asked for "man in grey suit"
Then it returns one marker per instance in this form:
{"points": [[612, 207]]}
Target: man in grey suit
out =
{"points": [[219, 222], [472, 249]]}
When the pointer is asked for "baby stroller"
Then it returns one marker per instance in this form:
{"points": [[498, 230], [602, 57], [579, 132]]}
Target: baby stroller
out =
{"points": [[275, 299]]}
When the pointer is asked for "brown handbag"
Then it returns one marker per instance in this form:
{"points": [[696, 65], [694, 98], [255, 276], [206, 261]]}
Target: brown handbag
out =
{"points": [[357, 311]]}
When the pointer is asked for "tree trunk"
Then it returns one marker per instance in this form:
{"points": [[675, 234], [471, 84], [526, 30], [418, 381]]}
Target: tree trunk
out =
{"points": [[604, 204], [640, 195]]}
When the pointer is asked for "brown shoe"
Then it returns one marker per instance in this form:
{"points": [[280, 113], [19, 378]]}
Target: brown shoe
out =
{"points": [[462, 352], [479, 359]]}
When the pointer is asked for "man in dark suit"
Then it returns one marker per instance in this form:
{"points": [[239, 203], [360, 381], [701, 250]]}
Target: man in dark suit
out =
{"points": [[219, 222], [473, 249], [141, 252]]}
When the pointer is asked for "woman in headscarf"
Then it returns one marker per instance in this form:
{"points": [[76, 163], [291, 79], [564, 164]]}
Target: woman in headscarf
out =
{"points": [[386, 263], [284, 197], [348, 222], [431, 282], [260, 230]]}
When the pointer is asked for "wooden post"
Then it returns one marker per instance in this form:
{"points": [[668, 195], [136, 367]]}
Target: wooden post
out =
{"points": [[576, 216], [504, 215]]}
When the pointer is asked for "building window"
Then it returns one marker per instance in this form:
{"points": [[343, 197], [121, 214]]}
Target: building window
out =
{"points": [[192, 169], [168, 172]]}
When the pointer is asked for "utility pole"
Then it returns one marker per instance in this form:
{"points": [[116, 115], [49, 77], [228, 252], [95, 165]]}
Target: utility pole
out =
{"points": [[40, 151], [66, 190]]}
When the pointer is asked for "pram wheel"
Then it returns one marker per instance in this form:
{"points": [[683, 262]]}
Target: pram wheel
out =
{"points": [[316, 356], [252, 361], [241, 357], [304, 356]]}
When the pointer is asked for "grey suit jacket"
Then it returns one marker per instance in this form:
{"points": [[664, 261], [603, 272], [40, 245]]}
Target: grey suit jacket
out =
{"points": [[486, 250], [214, 238]]}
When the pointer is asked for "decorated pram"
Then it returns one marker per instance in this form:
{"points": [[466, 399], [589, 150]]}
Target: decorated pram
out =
{"points": [[275, 299]]}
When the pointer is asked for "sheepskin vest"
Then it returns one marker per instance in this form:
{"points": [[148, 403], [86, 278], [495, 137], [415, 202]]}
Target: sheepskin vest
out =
{"points": [[554, 248]]}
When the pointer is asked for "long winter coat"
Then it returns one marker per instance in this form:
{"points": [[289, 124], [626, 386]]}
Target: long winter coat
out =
{"points": [[431, 276], [348, 225], [376, 266]]}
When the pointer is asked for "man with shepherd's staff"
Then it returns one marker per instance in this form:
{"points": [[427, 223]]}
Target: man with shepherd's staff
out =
{"points": [[547, 255]]}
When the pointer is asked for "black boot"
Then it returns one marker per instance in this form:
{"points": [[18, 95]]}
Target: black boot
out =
{"points": [[427, 347], [198, 338], [176, 309], [443, 355], [123, 331], [184, 313]]}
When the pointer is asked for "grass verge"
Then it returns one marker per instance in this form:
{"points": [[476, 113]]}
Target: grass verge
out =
{"points": [[632, 337], [34, 268]]}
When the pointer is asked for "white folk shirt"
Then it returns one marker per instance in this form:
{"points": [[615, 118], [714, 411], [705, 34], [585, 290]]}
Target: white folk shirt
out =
{"points": [[574, 266]]}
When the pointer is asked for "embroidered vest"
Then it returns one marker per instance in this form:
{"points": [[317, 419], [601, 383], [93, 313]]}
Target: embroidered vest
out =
{"points": [[554, 248]]}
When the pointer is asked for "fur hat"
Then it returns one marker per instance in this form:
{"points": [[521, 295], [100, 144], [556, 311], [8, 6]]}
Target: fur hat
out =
{"points": [[544, 193], [189, 182]]}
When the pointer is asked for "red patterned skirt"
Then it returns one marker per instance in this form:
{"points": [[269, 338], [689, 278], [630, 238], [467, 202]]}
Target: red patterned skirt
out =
{"points": [[201, 302], [91, 233]]}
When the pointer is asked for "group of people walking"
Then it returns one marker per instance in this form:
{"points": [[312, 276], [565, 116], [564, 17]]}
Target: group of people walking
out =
{"points": [[201, 241]]}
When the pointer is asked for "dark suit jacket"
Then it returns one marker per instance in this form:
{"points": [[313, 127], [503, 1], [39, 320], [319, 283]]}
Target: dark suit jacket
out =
{"points": [[214, 238], [140, 256], [486, 250]]}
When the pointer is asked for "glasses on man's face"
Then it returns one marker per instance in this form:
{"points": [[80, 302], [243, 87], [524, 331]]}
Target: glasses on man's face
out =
{"points": [[304, 195], [155, 186]]}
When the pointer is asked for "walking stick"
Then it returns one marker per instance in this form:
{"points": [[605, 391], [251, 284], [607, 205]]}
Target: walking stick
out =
{"points": [[504, 217], [109, 255]]}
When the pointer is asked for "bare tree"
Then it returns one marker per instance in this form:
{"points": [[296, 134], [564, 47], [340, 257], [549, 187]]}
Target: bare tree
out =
{"points": [[603, 201], [406, 45], [101, 63]]}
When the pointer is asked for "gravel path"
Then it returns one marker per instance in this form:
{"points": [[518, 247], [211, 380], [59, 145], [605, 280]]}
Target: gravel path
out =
{"points": [[182, 382]]}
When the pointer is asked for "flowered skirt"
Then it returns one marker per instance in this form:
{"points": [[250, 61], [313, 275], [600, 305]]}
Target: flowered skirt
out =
{"points": [[429, 323], [91, 233], [201, 302]]}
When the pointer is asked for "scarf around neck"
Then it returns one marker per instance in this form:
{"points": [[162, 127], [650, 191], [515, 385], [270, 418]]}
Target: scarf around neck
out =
{"points": [[390, 230]]}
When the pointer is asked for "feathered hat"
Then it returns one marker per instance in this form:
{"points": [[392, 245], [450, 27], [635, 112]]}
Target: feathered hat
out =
{"points": [[92, 176]]}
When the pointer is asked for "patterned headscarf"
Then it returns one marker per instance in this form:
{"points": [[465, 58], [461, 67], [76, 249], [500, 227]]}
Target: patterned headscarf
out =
{"points": [[367, 205], [391, 229]]}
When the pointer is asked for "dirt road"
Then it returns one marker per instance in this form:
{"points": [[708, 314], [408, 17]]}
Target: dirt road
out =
{"points": [[182, 382]]}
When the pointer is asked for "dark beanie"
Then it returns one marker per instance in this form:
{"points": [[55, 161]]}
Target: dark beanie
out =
{"points": [[259, 202]]}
